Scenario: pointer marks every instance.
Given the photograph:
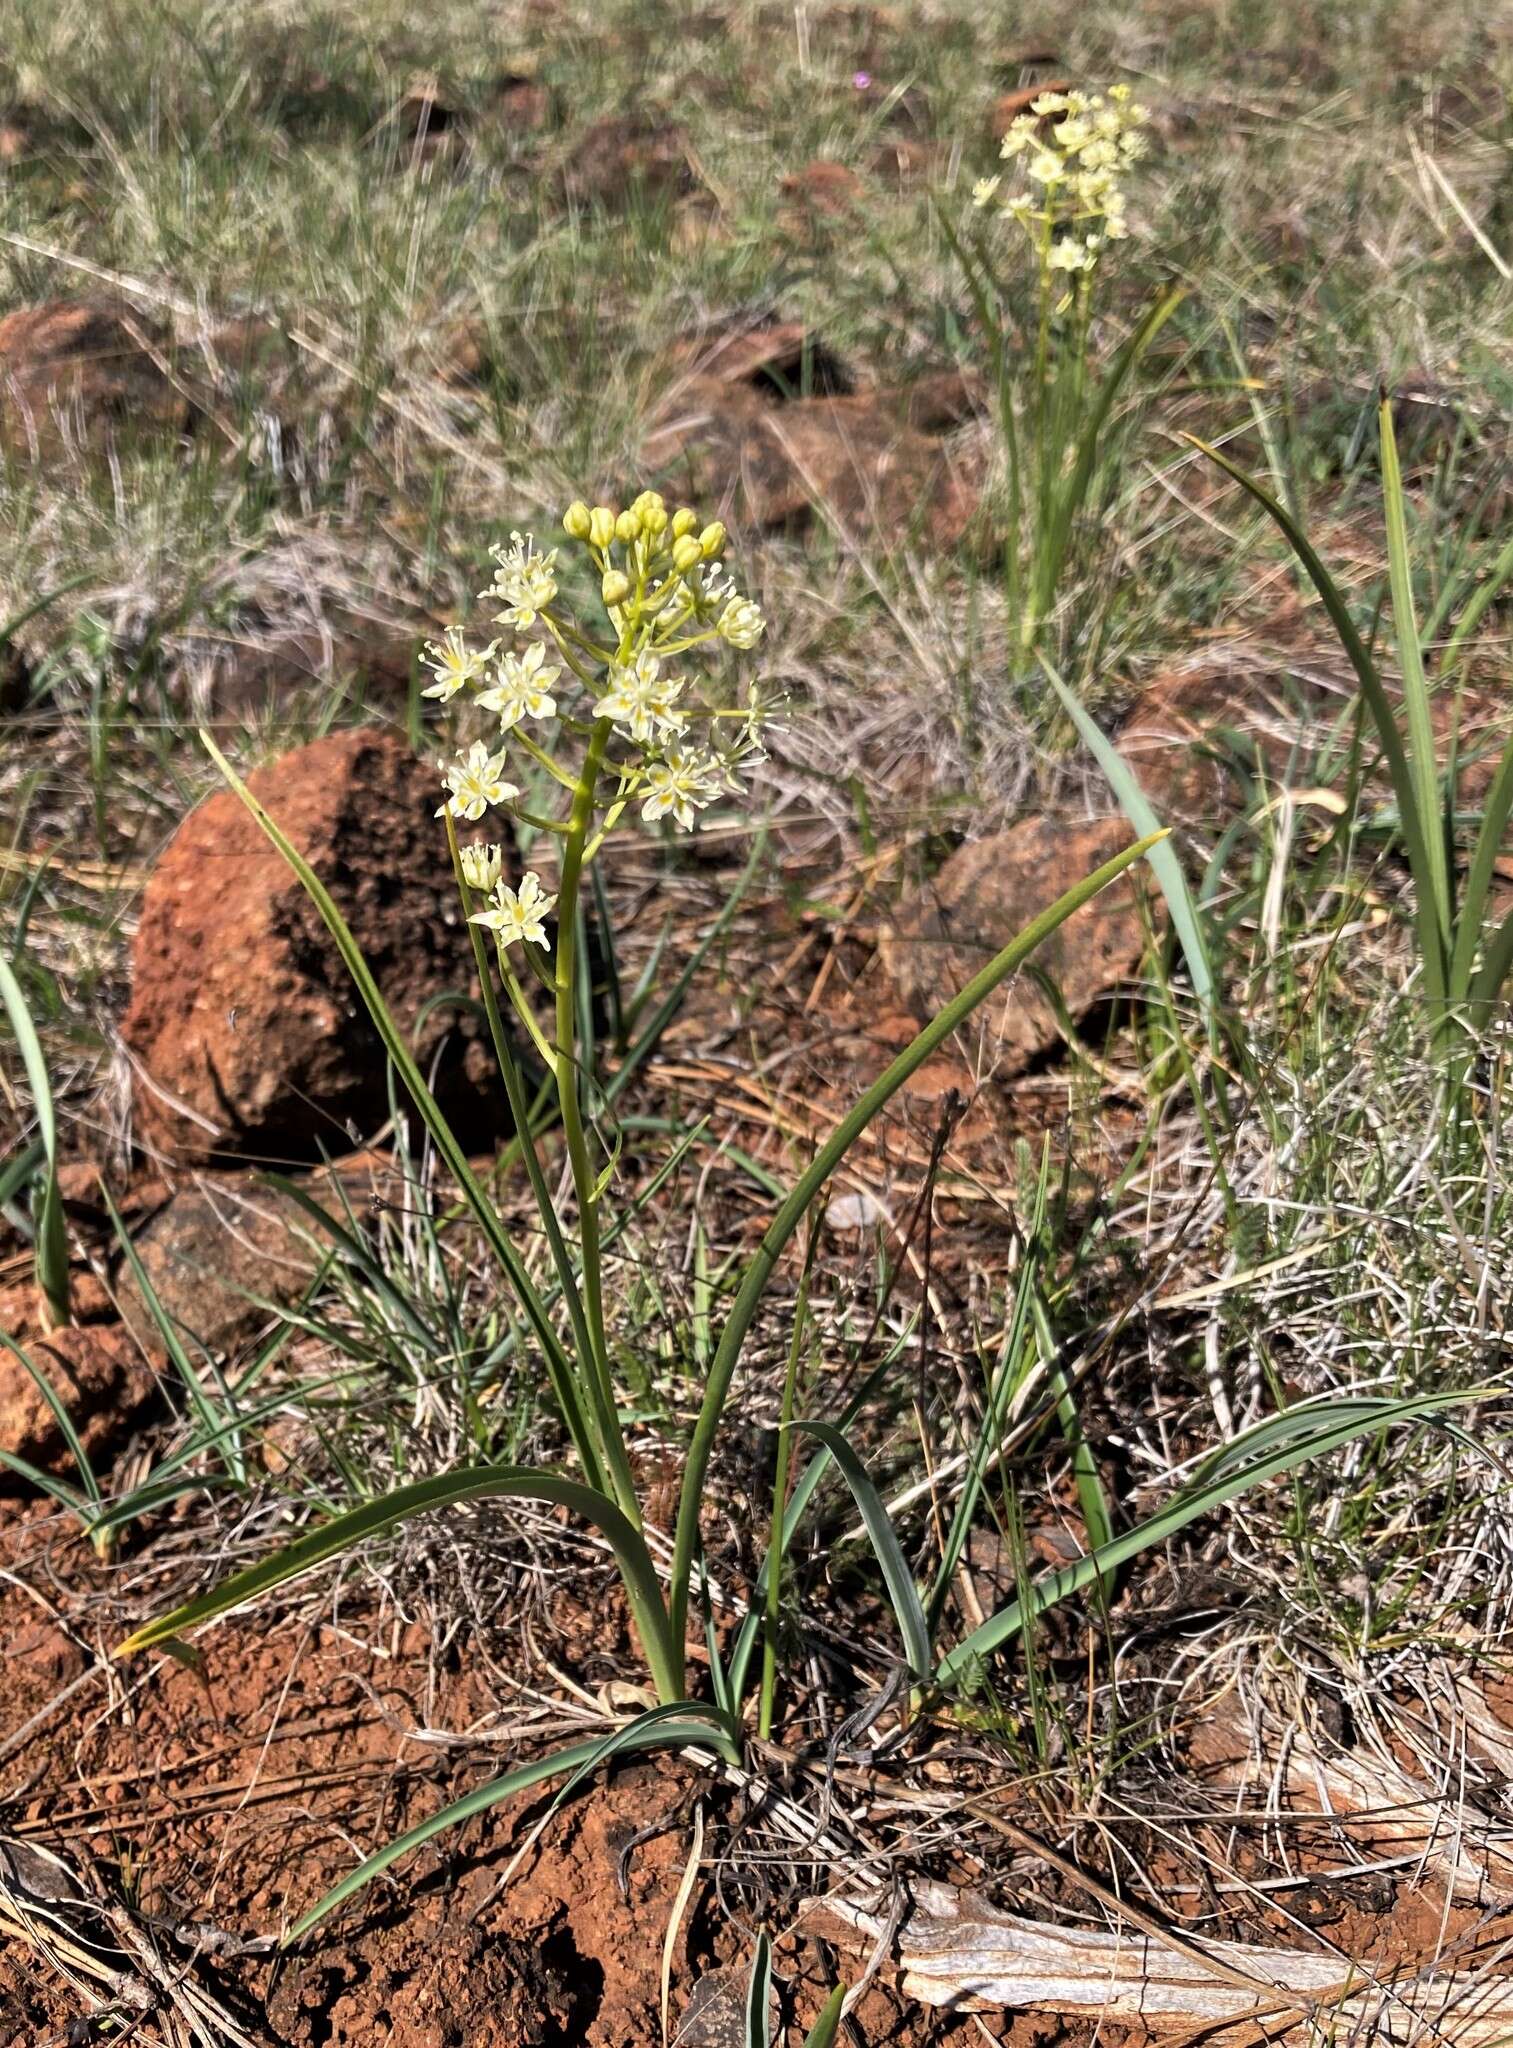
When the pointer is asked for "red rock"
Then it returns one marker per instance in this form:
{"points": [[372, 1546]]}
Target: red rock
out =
{"points": [[99, 1376], [852, 460], [246, 1032], [988, 891], [84, 369], [222, 1238]]}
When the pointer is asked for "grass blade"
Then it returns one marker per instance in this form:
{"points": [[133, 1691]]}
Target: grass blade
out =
{"points": [[1480, 875], [445, 1489], [1073, 492], [210, 1418], [681, 1724], [897, 1577], [1186, 916], [51, 1237], [559, 1366], [759, 1996], [1272, 1447], [1435, 964], [59, 1414], [1410, 657]]}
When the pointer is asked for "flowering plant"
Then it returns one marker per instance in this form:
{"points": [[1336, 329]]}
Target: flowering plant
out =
{"points": [[1072, 151], [611, 716]]}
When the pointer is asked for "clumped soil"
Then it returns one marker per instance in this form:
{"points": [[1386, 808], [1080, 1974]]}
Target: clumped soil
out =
{"points": [[222, 1804], [218, 1805]]}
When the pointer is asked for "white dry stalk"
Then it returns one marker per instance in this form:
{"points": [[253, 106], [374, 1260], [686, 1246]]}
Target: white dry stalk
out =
{"points": [[957, 1951]]}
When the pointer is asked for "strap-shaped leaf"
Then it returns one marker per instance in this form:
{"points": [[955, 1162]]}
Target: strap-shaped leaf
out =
{"points": [[680, 1724], [759, 1996], [825, 2028], [445, 1489], [1496, 809], [1410, 660], [558, 1365], [52, 1239], [1271, 1447], [1187, 919], [807, 1188], [1383, 717], [897, 1577]]}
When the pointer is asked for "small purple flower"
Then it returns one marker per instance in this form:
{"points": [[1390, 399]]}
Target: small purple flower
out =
{"points": [[861, 80]]}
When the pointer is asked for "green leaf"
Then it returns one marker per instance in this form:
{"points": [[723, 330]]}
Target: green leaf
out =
{"points": [[1410, 657], [759, 1996], [825, 2028], [51, 1237], [1186, 916], [1073, 492], [680, 1724], [173, 1344], [1480, 875], [1383, 717], [559, 1366], [807, 1188], [59, 1414], [897, 1577], [1276, 1445], [445, 1489]]}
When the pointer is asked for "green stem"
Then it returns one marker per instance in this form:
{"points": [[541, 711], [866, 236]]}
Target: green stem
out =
{"points": [[520, 1111], [580, 822]]}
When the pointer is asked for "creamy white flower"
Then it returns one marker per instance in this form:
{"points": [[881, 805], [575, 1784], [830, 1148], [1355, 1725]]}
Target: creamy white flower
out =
{"points": [[681, 784], [984, 189], [1020, 136], [1051, 103], [526, 580], [1047, 168], [522, 687], [641, 700], [517, 914], [476, 780], [741, 623], [454, 663], [481, 866], [1069, 254]]}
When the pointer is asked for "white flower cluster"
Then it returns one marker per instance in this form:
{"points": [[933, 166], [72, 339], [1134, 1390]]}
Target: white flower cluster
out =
{"points": [[1076, 147], [622, 701]]}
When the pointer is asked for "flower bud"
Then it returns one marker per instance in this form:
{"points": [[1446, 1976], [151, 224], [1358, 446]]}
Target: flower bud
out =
{"points": [[628, 526], [711, 540], [616, 587], [684, 520], [577, 520], [685, 553], [649, 503], [481, 867], [601, 526], [654, 519]]}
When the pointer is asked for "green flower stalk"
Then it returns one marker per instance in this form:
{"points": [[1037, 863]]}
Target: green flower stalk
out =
{"points": [[612, 716], [1065, 194]]}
